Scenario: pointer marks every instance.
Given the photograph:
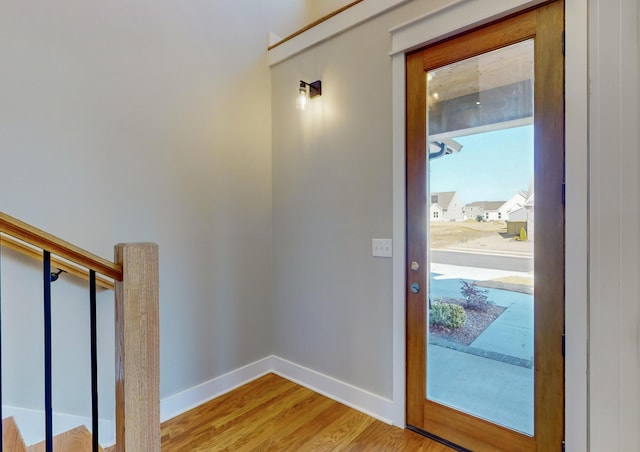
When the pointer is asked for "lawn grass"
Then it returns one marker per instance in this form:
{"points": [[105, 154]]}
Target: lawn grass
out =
{"points": [[444, 234]]}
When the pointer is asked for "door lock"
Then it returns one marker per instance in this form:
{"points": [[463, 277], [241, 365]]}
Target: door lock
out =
{"points": [[414, 287]]}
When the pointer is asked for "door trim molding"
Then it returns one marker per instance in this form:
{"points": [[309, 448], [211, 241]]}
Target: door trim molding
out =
{"points": [[453, 18], [404, 38]]}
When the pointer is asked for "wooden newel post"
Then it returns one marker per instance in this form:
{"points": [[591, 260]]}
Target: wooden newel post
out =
{"points": [[137, 349]]}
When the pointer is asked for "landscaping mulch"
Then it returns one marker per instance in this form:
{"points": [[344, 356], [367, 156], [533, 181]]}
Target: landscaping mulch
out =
{"points": [[477, 322]]}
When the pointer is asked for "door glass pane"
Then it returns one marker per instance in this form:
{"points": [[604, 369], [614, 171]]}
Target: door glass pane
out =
{"points": [[481, 206]]}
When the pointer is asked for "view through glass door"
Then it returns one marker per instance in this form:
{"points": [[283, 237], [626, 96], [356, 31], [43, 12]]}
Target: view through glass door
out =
{"points": [[485, 230], [481, 235]]}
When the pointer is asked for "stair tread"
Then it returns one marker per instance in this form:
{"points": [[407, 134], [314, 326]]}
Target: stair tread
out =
{"points": [[11, 437], [74, 440]]}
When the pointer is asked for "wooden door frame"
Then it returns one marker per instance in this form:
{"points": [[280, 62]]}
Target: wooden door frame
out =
{"points": [[534, 23]]}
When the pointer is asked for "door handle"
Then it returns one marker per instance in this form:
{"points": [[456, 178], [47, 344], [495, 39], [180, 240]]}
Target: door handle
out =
{"points": [[414, 287]]}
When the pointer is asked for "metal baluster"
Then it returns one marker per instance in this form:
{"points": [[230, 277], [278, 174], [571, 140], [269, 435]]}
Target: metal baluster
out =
{"points": [[48, 405], [94, 360]]}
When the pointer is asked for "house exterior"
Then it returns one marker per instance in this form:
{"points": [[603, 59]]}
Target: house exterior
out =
{"points": [[495, 210], [474, 210], [487, 210], [517, 220], [521, 215], [445, 206], [436, 212], [512, 204], [229, 191], [518, 214], [528, 206]]}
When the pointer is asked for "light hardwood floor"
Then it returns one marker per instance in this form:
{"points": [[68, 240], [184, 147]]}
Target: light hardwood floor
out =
{"points": [[274, 414]]}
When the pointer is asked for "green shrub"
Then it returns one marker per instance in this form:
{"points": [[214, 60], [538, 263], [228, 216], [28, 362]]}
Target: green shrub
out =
{"points": [[448, 315]]}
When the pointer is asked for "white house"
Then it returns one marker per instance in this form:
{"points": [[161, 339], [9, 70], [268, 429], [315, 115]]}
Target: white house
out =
{"points": [[492, 210], [518, 214], [449, 207], [495, 210], [528, 205], [436, 212], [473, 210], [512, 204]]}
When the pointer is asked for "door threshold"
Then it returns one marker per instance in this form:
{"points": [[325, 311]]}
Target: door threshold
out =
{"points": [[438, 439]]}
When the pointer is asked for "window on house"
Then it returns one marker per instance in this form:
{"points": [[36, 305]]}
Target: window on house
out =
{"points": [[436, 214]]}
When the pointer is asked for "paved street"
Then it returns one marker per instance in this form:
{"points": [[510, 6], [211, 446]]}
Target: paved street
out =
{"points": [[483, 260]]}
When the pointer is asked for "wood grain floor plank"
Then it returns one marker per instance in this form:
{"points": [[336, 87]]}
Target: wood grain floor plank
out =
{"points": [[286, 423], [275, 414], [224, 412], [339, 434], [299, 438], [231, 439]]}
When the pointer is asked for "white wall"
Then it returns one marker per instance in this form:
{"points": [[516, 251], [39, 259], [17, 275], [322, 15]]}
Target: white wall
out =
{"points": [[149, 121], [320, 8], [332, 193], [614, 224]]}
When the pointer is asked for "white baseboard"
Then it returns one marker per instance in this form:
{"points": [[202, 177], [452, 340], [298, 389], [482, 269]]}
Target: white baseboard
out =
{"points": [[359, 399], [188, 399], [356, 398], [31, 424]]}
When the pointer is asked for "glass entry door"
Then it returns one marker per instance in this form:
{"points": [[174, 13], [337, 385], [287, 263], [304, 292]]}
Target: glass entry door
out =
{"points": [[485, 270], [481, 235]]}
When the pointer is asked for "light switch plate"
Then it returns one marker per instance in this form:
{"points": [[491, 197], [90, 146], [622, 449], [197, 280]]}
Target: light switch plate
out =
{"points": [[381, 248]]}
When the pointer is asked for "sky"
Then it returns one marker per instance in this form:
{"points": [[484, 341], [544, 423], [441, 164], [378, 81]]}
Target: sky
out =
{"points": [[491, 166]]}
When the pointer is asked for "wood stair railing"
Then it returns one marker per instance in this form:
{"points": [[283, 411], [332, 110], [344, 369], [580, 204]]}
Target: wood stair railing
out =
{"points": [[45, 241], [135, 273], [60, 264]]}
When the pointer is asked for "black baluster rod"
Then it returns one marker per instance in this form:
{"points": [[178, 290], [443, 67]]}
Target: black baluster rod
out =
{"points": [[48, 405], [94, 361]]}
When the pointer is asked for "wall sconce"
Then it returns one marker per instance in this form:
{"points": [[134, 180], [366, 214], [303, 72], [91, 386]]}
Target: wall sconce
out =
{"points": [[314, 89]]}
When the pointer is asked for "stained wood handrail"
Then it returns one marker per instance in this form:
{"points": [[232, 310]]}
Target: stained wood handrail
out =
{"points": [[314, 23], [69, 267], [33, 236]]}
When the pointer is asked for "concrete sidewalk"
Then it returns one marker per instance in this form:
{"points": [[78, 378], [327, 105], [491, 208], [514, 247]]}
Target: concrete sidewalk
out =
{"points": [[493, 377], [493, 390], [510, 334]]}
